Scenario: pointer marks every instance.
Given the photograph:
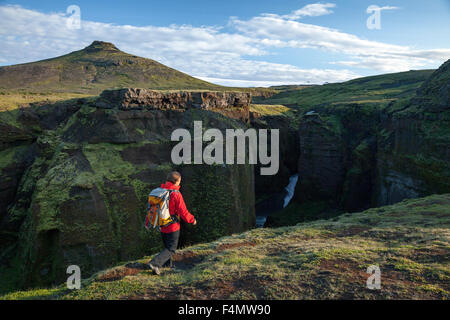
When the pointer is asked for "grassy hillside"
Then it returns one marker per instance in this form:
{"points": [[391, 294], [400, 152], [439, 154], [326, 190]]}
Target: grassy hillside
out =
{"points": [[380, 90], [95, 68], [12, 100], [89, 71], [324, 259]]}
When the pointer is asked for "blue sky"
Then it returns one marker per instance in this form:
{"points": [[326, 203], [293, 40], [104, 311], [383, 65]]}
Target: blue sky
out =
{"points": [[246, 42]]}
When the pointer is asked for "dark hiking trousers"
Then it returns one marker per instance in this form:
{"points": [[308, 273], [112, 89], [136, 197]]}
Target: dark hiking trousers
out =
{"points": [[164, 258]]}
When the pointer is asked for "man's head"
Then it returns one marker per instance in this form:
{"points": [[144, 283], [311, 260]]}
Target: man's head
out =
{"points": [[174, 177]]}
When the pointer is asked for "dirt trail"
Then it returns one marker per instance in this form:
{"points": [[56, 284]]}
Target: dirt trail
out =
{"points": [[181, 261]]}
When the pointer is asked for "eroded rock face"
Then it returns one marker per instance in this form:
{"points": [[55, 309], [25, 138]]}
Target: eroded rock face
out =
{"points": [[434, 94], [358, 170], [398, 186], [322, 160], [414, 151], [141, 98], [371, 158], [233, 104], [268, 185], [17, 160], [10, 136], [92, 170]]}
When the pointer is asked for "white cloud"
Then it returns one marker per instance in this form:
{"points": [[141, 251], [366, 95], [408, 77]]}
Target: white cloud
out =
{"points": [[311, 10], [244, 83], [52, 29], [255, 73], [28, 35], [273, 30], [209, 52], [290, 33], [388, 64]]}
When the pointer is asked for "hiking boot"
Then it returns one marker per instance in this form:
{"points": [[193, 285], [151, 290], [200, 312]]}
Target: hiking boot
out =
{"points": [[155, 269]]}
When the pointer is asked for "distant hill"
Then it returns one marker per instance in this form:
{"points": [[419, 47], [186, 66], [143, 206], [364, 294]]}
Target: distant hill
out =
{"points": [[380, 90], [93, 69]]}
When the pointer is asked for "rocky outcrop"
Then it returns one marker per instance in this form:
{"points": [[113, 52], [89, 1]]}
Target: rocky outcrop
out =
{"points": [[133, 98], [232, 104], [101, 46]]}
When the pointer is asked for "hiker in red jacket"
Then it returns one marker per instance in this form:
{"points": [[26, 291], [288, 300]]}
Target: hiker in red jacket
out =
{"points": [[171, 233]]}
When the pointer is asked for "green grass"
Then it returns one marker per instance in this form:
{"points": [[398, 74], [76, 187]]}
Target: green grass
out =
{"points": [[265, 111], [375, 90], [323, 259], [295, 213], [270, 110], [11, 100]]}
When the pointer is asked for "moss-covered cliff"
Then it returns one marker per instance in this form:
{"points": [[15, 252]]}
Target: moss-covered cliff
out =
{"points": [[414, 144], [367, 153], [78, 185]]}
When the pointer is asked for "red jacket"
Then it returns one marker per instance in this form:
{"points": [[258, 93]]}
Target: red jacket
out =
{"points": [[176, 207]]}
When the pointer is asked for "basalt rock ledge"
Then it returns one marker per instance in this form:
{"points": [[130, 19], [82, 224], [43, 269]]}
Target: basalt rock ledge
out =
{"points": [[232, 104], [135, 98]]}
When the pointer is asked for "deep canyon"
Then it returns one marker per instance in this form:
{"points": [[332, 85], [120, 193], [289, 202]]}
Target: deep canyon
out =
{"points": [[75, 174]]}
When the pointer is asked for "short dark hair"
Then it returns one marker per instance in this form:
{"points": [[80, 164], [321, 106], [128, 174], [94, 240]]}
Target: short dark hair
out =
{"points": [[174, 176]]}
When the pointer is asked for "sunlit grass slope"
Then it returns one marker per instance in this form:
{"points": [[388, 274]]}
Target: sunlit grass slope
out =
{"points": [[324, 259]]}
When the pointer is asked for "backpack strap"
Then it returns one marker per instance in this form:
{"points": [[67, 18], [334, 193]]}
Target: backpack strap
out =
{"points": [[174, 217]]}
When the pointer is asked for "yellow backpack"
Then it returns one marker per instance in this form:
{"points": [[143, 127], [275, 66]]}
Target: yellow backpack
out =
{"points": [[158, 214]]}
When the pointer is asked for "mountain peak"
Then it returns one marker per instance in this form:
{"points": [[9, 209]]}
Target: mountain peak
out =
{"points": [[101, 46], [97, 67]]}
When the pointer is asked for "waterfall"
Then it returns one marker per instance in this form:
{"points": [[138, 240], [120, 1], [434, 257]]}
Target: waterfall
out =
{"points": [[290, 189], [260, 220]]}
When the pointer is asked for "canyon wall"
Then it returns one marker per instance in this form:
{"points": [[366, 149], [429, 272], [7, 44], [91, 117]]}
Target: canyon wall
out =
{"points": [[76, 175], [414, 143], [356, 156]]}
